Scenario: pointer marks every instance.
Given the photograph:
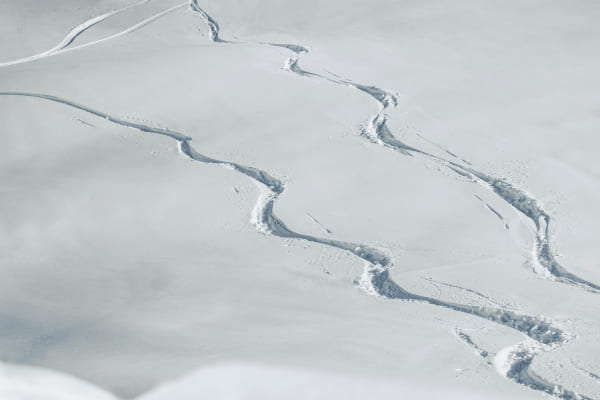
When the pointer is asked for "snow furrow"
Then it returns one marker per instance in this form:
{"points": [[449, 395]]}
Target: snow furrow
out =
{"points": [[478, 350], [131, 29], [378, 132], [214, 31], [515, 364], [530, 207], [378, 263], [213, 26], [71, 36], [586, 373], [316, 221], [292, 47], [475, 293], [376, 279], [540, 330], [487, 205]]}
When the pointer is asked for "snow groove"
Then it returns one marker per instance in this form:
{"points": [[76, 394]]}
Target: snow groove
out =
{"points": [[530, 207], [488, 206], [213, 26], [376, 279], [214, 31], [292, 47], [538, 329], [378, 132], [472, 292], [376, 275], [376, 261], [65, 45], [478, 350], [131, 29], [72, 35], [264, 217], [515, 363], [316, 221], [586, 373]]}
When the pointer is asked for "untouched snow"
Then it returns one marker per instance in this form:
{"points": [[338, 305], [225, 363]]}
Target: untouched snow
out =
{"points": [[265, 199], [19, 382]]}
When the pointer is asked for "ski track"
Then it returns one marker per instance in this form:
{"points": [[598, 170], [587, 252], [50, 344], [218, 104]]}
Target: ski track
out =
{"points": [[519, 371], [517, 362], [267, 222], [478, 350], [376, 277], [213, 26], [439, 146], [80, 121], [214, 31], [378, 132], [72, 36], [131, 29], [586, 373], [377, 261], [65, 45], [293, 47], [466, 290], [489, 207], [316, 221]]}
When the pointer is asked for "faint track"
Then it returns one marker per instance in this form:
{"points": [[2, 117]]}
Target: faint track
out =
{"points": [[478, 350], [472, 292], [521, 359], [488, 206]]}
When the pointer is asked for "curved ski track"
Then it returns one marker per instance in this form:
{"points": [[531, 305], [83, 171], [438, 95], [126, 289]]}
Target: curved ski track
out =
{"points": [[377, 262], [378, 132], [521, 357], [377, 273], [65, 45], [266, 221]]}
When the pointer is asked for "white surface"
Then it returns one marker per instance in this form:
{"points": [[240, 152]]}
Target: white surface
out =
{"points": [[127, 265]]}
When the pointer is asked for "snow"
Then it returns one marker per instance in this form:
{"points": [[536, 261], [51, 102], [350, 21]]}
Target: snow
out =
{"points": [[184, 218], [19, 382]]}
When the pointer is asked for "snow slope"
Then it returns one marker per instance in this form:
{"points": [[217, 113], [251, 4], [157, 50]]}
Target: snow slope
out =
{"points": [[313, 197]]}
